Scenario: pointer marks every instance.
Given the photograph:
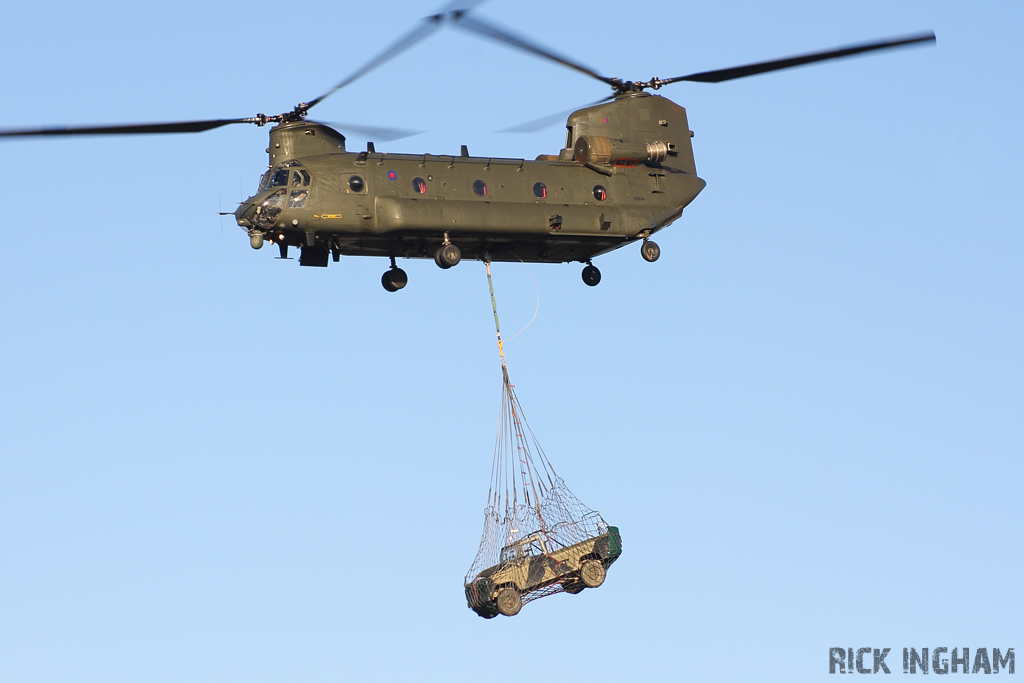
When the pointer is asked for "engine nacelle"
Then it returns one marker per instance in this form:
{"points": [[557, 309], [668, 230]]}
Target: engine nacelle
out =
{"points": [[597, 149]]}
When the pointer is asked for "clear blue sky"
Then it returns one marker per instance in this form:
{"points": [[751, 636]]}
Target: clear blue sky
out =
{"points": [[806, 418]]}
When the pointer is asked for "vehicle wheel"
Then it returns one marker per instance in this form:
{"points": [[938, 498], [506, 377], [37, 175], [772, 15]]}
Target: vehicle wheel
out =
{"points": [[509, 601], [574, 588], [591, 276], [447, 255], [650, 251], [592, 573]]}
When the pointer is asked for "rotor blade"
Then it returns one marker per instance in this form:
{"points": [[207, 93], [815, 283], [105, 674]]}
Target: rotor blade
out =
{"points": [[126, 129], [720, 75], [549, 120], [422, 30], [376, 133], [504, 36]]}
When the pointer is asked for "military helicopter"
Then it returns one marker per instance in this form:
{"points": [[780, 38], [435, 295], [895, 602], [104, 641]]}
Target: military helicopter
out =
{"points": [[626, 171]]}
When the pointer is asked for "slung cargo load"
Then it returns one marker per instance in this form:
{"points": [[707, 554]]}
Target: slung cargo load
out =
{"points": [[538, 538]]}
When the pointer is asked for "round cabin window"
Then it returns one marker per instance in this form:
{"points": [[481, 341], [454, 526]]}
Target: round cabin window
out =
{"points": [[540, 190], [356, 184], [480, 188], [600, 194], [419, 186]]}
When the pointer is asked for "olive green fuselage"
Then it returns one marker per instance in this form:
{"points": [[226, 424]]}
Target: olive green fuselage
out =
{"points": [[554, 209]]}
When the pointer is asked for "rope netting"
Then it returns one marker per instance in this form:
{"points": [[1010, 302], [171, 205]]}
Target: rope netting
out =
{"points": [[538, 538]]}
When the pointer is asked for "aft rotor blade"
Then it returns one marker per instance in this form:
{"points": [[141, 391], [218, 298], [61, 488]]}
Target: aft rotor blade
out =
{"points": [[126, 129], [421, 31], [720, 75], [376, 133], [549, 120], [477, 26]]}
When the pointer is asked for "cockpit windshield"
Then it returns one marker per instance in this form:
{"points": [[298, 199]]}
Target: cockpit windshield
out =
{"points": [[283, 176]]}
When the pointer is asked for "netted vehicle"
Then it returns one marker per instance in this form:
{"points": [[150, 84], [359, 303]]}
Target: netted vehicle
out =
{"points": [[538, 538], [535, 563]]}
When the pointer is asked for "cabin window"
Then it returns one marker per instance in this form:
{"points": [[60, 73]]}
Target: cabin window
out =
{"points": [[419, 186], [356, 184], [540, 190], [480, 188], [298, 199], [600, 194]]}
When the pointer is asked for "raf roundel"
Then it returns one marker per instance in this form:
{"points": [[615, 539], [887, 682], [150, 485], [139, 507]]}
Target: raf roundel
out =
{"points": [[392, 175]]}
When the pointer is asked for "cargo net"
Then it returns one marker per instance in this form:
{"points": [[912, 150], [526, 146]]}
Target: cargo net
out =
{"points": [[538, 538]]}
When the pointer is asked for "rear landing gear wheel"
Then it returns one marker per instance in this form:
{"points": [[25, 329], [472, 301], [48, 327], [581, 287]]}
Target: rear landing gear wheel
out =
{"points": [[650, 251], [591, 275], [394, 279], [509, 601], [592, 573], [447, 256]]}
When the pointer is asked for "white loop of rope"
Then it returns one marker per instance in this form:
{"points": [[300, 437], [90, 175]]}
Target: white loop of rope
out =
{"points": [[537, 310]]}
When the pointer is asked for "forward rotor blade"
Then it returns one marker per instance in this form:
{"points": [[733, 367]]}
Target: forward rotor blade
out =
{"points": [[549, 120], [375, 133], [720, 75], [421, 31], [504, 36], [125, 129]]}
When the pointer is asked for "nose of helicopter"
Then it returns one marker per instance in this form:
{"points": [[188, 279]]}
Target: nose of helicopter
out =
{"points": [[243, 213]]}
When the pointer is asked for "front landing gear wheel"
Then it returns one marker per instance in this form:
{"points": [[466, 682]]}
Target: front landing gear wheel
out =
{"points": [[591, 275], [509, 601], [447, 256], [394, 279], [650, 251], [592, 573]]}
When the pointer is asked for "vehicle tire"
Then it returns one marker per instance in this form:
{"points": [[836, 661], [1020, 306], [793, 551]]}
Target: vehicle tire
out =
{"points": [[591, 276], [437, 258], [650, 251], [448, 255], [509, 601], [592, 573], [574, 588]]}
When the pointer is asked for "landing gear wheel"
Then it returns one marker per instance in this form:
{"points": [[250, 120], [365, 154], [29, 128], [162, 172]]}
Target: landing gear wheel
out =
{"points": [[591, 276], [394, 279], [592, 573], [650, 251], [509, 601], [447, 256]]}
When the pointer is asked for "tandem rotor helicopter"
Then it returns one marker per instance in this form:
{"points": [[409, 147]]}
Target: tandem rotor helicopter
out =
{"points": [[626, 171]]}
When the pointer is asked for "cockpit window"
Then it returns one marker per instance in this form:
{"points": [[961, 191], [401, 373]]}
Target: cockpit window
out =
{"points": [[264, 179], [279, 179], [291, 164], [298, 199], [305, 178], [269, 209]]}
